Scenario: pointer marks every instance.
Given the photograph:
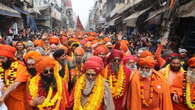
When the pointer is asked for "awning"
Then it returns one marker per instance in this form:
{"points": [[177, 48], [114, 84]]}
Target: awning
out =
{"points": [[21, 10], [187, 10], [132, 19], [156, 13], [5, 10], [112, 22]]}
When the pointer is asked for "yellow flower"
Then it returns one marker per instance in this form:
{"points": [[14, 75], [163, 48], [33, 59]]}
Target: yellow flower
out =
{"points": [[96, 97]]}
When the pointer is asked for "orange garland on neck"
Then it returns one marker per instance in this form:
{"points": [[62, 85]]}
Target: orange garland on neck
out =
{"points": [[117, 85]]}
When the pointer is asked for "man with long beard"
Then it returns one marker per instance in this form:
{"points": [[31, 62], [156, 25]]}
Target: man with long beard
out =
{"points": [[172, 70], [78, 62], [14, 75], [118, 77], [148, 90], [183, 88], [47, 90], [92, 92], [31, 58]]}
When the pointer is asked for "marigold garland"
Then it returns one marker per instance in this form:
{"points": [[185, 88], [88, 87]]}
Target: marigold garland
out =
{"points": [[49, 101], [11, 76], [117, 84], [167, 70], [144, 102], [187, 94], [95, 98]]}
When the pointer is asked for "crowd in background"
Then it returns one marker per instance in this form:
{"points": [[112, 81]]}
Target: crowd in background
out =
{"points": [[95, 71]]}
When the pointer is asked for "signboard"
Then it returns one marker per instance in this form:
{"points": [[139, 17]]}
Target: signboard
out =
{"points": [[55, 14]]}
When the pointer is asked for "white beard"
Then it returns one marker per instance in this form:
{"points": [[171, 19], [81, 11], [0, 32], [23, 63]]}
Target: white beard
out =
{"points": [[146, 74], [133, 67], [191, 76]]}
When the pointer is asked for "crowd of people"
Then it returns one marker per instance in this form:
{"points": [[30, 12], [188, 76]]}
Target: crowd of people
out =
{"points": [[94, 71]]}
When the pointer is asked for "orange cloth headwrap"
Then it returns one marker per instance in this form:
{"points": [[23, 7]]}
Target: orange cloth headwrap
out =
{"points": [[7, 51], [191, 62], [145, 54], [107, 39], [124, 47], [38, 43], [102, 49], [45, 62], [54, 40], [32, 54], [95, 63], [79, 51], [147, 61]]}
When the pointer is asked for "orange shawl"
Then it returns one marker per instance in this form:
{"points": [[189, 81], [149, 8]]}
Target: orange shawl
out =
{"points": [[134, 98]]}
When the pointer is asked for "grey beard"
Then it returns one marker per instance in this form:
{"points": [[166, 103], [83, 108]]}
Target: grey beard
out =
{"points": [[88, 87], [78, 61], [191, 76], [115, 68], [132, 67], [146, 74]]}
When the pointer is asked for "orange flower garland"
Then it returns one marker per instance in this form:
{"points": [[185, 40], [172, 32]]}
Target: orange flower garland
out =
{"points": [[8, 80], [151, 93], [117, 84]]}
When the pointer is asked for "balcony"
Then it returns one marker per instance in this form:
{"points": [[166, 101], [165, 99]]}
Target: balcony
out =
{"points": [[8, 2]]}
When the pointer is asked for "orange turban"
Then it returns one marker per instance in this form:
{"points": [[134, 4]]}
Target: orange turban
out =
{"points": [[97, 59], [130, 57], [32, 54], [45, 62], [95, 63], [124, 42], [124, 47], [102, 49], [145, 54], [93, 33], [88, 45], [38, 43], [7, 51], [63, 39], [54, 40], [115, 53], [79, 51], [107, 39], [191, 62], [147, 61], [91, 38]]}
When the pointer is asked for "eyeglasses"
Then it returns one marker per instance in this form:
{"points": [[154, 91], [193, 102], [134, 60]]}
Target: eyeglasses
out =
{"points": [[48, 71], [91, 74], [192, 67], [117, 60]]}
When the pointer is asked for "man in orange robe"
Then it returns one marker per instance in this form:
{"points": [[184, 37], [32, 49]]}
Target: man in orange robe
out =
{"points": [[172, 70], [148, 90], [30, 59], [179, 88], [47, 81], [14, 75]]}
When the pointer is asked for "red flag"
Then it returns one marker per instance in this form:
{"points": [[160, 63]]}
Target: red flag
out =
{"points": [[79, 25]]}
